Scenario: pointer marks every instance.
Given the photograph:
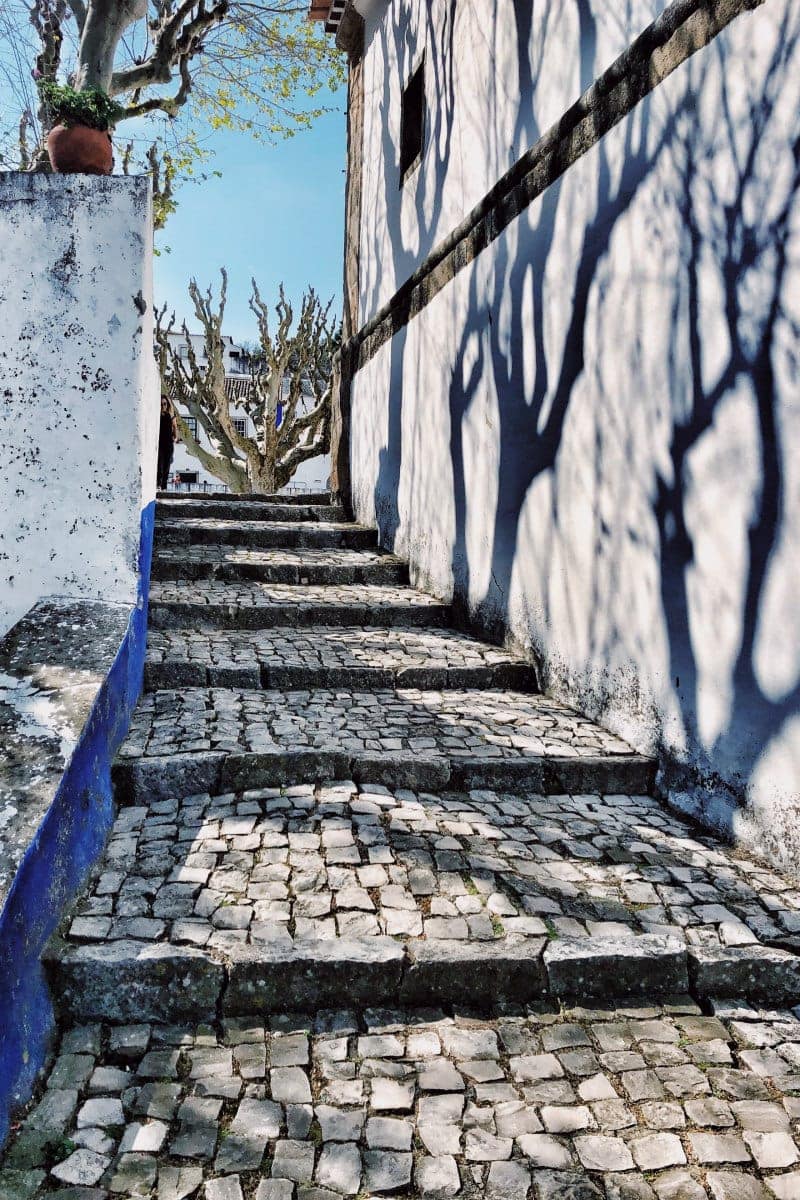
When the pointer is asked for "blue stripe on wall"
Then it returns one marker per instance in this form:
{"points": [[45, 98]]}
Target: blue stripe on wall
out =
{"points": [[58, 859]]}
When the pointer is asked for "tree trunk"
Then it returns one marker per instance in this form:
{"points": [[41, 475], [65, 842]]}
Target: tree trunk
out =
{"points": [[106, 21], [224, 469], [261, 476]]}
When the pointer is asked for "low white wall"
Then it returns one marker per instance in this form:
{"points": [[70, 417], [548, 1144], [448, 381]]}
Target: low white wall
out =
{"points": [[79, 412], [591, 437]]}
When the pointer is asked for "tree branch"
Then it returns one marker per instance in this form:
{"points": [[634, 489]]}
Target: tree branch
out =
{"points": [[173, 42]]}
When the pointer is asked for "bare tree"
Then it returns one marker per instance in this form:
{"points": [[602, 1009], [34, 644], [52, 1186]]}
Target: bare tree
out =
{"points": [[286, 395]]}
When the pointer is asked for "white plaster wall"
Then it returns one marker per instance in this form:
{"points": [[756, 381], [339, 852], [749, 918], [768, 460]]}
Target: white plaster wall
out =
{"points": [[592, 436], [498, 73], [79, 387]]}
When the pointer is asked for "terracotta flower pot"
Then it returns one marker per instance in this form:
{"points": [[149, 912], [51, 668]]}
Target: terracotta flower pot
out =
{"points": [[77, 149]]}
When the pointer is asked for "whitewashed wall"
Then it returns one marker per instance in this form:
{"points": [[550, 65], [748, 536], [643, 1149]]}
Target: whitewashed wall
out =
{"points": [[497, 75], [592, 436], [79, 413]]}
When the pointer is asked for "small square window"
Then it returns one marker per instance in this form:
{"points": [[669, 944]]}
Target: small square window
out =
{"points": [[187, 476], [240, 425], [191, 424], [412, 122]]}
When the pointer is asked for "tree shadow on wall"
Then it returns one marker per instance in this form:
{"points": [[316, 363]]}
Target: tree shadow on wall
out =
{"points": [[507, 335], [742, 221], [428, 194], [740, 230]]}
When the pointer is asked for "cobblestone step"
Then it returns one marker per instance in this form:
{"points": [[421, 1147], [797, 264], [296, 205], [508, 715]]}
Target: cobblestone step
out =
{"points": [[222, 738], [264, 534], [300, 498], [628, 1102], [247, 510], [256, 605], [309, 565], [355, 657], [359, 895]]}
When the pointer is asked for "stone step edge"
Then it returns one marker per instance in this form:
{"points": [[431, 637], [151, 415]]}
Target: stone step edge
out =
{"points": [[326, 514], [315, 498], [220, 771], [179, 673], [165, 614], [266, 536], [391, 571], [125, 981]]}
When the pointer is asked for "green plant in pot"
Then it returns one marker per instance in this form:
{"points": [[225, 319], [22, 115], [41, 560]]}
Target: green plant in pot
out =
{"points": [[79, 140]]}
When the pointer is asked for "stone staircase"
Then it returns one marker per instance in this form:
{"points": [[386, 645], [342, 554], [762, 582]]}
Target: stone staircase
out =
{"points": [[360, 868], [331, 797]]}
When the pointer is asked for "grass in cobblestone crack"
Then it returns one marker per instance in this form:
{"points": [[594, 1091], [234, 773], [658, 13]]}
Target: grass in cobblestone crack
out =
{"points": [[183, 1066], [57, 1150], [552, 932], [497, 926], [469, 884]]}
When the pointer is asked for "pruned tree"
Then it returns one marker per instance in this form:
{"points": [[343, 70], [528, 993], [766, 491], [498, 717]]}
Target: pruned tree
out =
{"points": [[213, 63], [286, 395]]}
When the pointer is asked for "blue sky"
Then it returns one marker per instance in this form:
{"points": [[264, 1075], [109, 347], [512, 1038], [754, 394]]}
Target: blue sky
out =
{"points": [[277, 213]]}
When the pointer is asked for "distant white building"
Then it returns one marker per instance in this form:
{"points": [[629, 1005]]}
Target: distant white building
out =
{"points": [[187, 473]]}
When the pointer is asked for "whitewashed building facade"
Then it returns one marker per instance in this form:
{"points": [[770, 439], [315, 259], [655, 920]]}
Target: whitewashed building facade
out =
{"points": [[571, 360]]}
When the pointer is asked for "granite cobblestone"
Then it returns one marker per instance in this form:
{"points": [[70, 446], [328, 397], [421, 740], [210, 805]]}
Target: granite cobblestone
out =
{"points": [[349, 1104], [336, 654], [336, 860], [204, 889], [462, 723]]}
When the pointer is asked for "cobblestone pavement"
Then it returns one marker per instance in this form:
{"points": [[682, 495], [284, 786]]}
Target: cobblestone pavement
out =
{"points": [[333, 654], [281, 565], [628, 1103], [459, 723], [341, 861], [245, 510], [251, 603], [337, 803], [216, 530]]}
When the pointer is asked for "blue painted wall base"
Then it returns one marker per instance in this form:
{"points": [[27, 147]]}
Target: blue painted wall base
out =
{"points": [[66, 845]]}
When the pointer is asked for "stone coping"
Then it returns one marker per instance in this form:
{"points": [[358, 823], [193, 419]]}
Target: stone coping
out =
{"points": [[52, 665]]}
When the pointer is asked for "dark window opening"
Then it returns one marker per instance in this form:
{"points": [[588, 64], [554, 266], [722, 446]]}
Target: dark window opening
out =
{"points": [[187, 476], [240, 425], [191, 424], [412, 122]]}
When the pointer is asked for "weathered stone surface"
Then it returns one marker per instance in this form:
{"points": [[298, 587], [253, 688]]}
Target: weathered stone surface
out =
{"points": [[649, 965], [278, 508], [320, 974], [474, 973], [54, 660], [257, 605], [759, 973], [356, 657], [158, 778], [126, 981], [368, 1084]]}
